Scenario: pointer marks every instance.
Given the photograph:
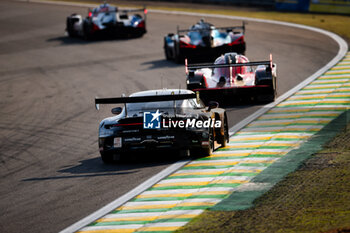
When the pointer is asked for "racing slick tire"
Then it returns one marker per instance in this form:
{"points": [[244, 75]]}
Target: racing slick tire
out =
{"points": [[204, 152], [178, 59], [224, 138], [166, 51], [208, 151], [87, 31], [177, 55], [106, 158], [109, 158], [266, 98], [70, 26]]}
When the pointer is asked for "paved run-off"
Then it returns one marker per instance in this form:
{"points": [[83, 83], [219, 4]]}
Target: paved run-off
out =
{"points": [[203, 183]]}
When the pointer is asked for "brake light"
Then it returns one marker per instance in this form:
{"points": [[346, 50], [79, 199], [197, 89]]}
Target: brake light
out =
{"points": [[145, 11], [141, 24], [240, 40], [186, 45], [90, 14], [95, 27]]}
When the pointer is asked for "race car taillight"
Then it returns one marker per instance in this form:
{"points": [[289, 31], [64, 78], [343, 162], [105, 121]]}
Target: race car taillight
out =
{"points": [[141, 24], [95, 27], [186, 45], [240, 40]]}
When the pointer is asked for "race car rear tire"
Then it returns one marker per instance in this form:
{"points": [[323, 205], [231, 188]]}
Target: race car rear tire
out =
{"points": [[178, 59], [204, 152], [87, 31], [266, 98], [224, 138], [107, 158], [208, 151], [166, 51], [177, 55], [69, 26]]}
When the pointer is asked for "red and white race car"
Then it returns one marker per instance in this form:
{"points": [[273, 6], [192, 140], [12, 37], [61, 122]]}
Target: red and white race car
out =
{"points": [[233, 77]]}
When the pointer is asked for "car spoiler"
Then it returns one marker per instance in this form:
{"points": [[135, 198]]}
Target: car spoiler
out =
{"points": [[193, 67], [125, 11], [142, 99], [215, 28]]}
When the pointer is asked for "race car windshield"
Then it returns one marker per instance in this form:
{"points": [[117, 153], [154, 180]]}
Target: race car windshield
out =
{"points": [[195, 35], [225, 72], [153, 106], [222, 72]]}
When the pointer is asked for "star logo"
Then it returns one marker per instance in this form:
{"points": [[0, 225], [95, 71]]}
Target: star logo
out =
{"points": [[151, 120], [155, 115]]}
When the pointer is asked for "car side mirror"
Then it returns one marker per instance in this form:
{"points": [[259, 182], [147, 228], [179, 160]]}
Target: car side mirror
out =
{"points": [[212, 105], [116, 110]]}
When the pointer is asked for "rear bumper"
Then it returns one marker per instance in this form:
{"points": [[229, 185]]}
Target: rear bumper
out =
{"points": [[233, 95], [159, 141]]}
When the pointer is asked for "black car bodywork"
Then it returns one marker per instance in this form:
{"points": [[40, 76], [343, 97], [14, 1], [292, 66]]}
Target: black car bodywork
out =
{"points": [[125, 133]]}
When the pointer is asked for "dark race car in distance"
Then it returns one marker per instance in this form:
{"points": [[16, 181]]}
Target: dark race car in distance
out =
{"points": [[109, 21], [204, 42], [232, 77], [161, 120]]}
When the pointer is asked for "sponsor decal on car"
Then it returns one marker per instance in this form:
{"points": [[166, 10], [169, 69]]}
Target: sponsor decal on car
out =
{"points": [[151, 120]]}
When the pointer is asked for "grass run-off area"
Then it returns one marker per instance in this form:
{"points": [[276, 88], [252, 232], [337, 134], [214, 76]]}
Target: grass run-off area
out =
{"points": [[339, 24], [314, 198]]}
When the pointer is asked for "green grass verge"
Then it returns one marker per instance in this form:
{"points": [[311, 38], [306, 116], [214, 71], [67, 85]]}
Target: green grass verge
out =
{"points": [[315, 198], [339, 24]]}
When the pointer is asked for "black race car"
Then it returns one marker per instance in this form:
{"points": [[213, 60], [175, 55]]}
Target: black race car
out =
{"points": [[107, 20], [204, 42], [161, 120], [233, 77]]}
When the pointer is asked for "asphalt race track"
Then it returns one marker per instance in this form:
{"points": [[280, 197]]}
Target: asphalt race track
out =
{"points": [[51, 173]]}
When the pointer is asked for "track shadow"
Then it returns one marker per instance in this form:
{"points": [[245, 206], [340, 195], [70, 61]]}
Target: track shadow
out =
{"points": [[95, 167], [66, 40], [161, 64]]}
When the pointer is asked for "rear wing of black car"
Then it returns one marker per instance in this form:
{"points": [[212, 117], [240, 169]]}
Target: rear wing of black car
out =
{"points": [[143, 99], [215, 28]]}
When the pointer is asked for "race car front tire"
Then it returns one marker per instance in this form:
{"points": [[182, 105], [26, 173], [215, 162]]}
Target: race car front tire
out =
{"points": [[166, 51], [69, 26], [223, 139]]}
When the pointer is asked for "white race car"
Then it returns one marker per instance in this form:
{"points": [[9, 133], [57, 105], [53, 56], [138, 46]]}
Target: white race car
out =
{"points": [[109, 21]]}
